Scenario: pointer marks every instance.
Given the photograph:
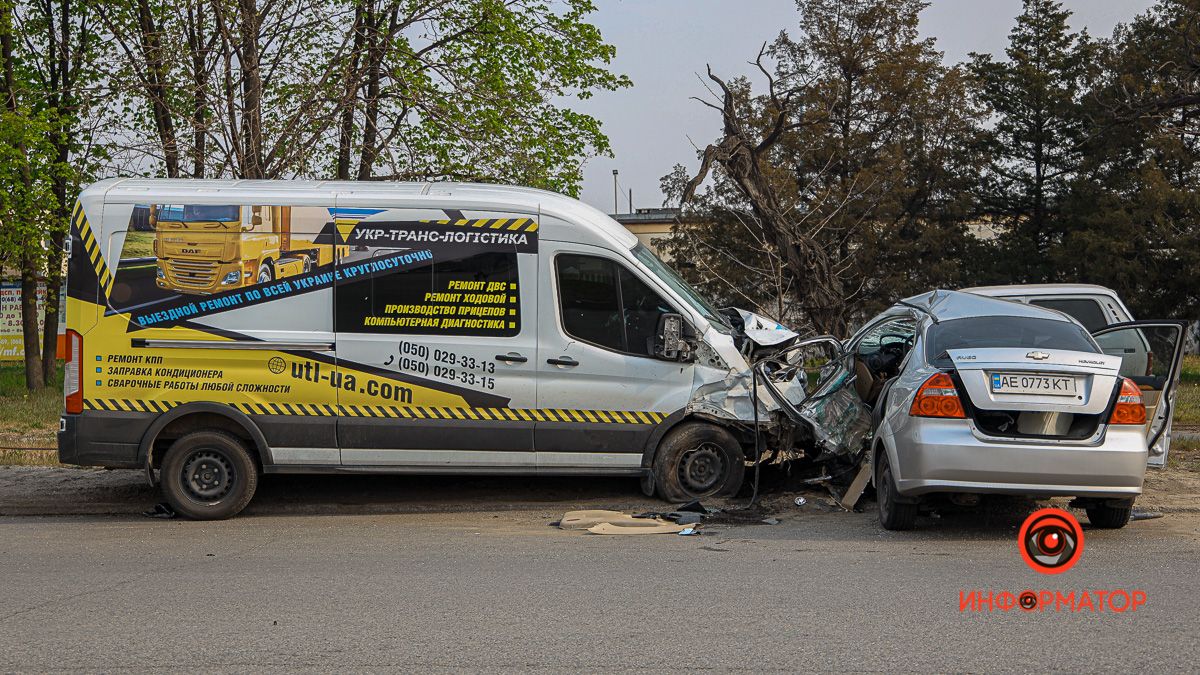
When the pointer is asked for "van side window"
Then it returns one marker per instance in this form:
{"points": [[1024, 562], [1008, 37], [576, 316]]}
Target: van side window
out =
{"points": [[605, 304], [1087, 312]]}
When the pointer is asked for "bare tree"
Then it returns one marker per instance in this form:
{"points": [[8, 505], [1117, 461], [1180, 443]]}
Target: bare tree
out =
{"points": [[743, 154]]}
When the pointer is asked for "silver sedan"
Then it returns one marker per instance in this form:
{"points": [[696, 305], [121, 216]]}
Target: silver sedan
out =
{"points": [[950, 392]]}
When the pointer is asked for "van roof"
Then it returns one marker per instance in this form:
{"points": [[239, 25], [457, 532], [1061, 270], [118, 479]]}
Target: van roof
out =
{"points": [[436, 194]]}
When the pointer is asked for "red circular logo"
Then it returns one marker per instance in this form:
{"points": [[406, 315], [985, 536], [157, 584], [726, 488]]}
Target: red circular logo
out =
{"points": [[1051, 541]]}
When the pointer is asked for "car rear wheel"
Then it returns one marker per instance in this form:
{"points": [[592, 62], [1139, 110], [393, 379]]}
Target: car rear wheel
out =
{"points": [[698, 460], [1108, 516], [208, 475], [893, 515]]}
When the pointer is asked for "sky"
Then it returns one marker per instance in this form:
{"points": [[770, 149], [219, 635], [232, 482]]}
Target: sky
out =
{"points": [[663, 46]]}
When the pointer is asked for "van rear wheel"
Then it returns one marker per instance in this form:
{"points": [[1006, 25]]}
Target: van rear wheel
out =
{"points": [[698, 460], [208, 475]]}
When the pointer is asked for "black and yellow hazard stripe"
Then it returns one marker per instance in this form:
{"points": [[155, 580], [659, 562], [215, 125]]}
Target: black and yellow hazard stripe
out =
{"points": [[573, 415], [511, 224], [92, 247], [129, 405]]}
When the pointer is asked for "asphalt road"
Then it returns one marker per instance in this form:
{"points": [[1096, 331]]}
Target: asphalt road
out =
{"points": [[443, 582]]}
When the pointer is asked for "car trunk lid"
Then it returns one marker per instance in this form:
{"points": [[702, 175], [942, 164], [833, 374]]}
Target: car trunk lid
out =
{"points": [[1004, 378]]}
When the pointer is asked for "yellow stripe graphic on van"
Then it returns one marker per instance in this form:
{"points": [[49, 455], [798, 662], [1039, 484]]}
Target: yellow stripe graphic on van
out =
{"points": [[400, 412], [510, 224], [92, 248]]}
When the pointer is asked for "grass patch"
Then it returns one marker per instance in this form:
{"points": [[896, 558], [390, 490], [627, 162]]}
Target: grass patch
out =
{"points": [[28, 419], [1184, 455], [29, 458], [1187, 401]]}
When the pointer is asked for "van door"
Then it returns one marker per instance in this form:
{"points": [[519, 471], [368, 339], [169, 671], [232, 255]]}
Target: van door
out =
{"points": [[1152, 355], [601, 392], [436, 322]]}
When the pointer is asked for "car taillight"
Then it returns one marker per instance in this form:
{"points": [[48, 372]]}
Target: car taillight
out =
{"points": [[73, 377], [1130, 408], [937, 398]]}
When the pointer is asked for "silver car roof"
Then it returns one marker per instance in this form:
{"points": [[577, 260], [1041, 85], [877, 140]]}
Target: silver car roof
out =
{"points": [[946, 305]]}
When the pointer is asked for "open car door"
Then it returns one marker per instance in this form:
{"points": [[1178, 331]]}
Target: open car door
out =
{"points": [[839, 419], [1151, 355]]}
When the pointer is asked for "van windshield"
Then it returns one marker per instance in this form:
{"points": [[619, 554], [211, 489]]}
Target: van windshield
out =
{"points": [[199, 213], [672, 279]]}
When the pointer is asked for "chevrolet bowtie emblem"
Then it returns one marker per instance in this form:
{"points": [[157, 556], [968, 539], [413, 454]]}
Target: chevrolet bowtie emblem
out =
{"points": [[1037, 356]]}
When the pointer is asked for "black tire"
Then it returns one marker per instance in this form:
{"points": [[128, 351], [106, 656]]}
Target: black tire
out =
{"points": [[1110, 517], [893, 515], [698, 460], [208, 475], [266, 273]]}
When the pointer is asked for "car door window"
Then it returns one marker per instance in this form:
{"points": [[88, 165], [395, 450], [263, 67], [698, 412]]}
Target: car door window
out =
{"points": [[603, 303]]}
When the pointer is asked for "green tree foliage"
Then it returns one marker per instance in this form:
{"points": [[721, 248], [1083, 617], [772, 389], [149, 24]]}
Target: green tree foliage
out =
{"points": [[1132, 216], [1037, 101], [366, 89]]}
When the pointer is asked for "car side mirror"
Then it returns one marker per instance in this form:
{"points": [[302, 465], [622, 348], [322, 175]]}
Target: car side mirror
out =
{"points": [[669, 343]]}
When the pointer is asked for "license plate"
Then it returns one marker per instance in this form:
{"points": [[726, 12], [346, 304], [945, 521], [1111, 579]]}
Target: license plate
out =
{"points": [[1029, 383]]}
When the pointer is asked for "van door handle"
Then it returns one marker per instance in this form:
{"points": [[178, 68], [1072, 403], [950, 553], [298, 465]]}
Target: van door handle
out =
{"points": [[564, 361], [511, 358]]}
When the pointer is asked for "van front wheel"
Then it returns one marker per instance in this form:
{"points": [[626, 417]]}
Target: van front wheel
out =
{"points": [[698, 460], [208, 475]]}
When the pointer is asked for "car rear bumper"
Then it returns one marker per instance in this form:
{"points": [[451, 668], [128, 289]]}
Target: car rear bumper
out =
{"points": [[946, 456]]}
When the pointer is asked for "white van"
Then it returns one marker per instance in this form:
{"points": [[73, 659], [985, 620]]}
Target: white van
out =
{"points": [[222, 329], [1097, 307]]}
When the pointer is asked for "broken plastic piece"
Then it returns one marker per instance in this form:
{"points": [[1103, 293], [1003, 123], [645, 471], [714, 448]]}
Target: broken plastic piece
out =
{"points": [[625, 528], [160, 510], [693, 506], [771, 521], [689, 531], [801, 501]]}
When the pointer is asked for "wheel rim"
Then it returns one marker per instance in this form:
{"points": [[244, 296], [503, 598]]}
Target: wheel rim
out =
{"points": [[208, 476], [702, 468]]}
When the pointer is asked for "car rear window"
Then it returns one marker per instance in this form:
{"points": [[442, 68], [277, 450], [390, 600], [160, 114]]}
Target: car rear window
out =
{"points": [[1003, 331]]}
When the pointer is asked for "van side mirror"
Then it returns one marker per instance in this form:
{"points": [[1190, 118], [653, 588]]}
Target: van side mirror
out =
{"points": [[669, 343]]}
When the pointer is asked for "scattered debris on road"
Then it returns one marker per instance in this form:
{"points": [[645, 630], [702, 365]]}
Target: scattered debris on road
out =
{"points": [[160, 510], [598, 521]]}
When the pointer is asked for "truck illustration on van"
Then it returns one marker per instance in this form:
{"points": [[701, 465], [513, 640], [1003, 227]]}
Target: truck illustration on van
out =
{"points": [[205, 249]]}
